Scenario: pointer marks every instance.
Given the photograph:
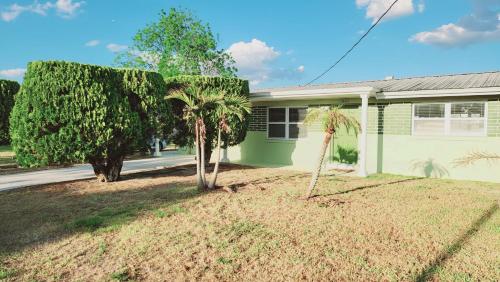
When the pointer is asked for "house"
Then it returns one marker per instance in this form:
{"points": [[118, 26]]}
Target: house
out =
{"points": [[413, 126]]}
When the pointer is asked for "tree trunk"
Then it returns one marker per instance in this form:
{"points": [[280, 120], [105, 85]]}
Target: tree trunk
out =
{"points": [[108, 170], [199, 180], [208, 153], [213, 179], [202, 159], [317, 171], [203, 137]]}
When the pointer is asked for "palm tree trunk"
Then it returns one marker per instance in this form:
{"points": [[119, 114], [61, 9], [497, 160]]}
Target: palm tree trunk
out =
{"points": [[213, 179], [317, 171], [199, 180], [202, 155]]}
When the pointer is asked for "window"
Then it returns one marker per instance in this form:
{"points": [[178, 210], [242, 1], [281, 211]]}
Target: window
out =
{"points": [[453, 119], [286, 123]]}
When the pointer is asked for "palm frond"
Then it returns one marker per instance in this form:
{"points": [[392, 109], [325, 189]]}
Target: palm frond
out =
{"points": [[332, 118]]}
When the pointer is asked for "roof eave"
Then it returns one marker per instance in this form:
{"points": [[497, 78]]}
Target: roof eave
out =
{"points": [[306, 94], [484, 91]]}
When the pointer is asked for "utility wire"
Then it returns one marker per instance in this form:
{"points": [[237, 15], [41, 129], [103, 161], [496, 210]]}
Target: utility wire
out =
{"points": [[353, 46]]}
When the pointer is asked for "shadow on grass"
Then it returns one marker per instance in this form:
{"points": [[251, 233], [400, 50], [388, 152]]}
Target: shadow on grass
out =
{"points": [[266, 180], [457, 245], [39, 214], [369, 186]]}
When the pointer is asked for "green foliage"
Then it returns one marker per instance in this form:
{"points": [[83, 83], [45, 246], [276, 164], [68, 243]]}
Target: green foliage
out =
{"points": [[332, 119], [207, 84], [73, 113], [178, 43], [7, 91]]}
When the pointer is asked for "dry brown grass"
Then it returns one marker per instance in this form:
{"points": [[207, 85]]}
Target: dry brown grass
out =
{"points": [[157, 227]]}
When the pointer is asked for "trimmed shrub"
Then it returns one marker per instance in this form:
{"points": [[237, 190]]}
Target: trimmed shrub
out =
{"points": [[7, 91], [183, 136], [72, 113]]}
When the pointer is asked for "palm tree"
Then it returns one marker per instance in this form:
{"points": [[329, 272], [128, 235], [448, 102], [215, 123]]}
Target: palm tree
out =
{"points": [[332, 119], [197, 105], [232, 105]]}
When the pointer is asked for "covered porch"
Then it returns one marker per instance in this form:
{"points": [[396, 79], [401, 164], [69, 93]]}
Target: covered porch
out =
{"points": [[302, 150]]}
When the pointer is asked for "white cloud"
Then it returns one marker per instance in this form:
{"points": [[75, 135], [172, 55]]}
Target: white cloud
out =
{"points": [[115, 48], [301, 69], [93, 43], [68, 8], [255, 62], [375, 8], [12, 73], [482, 25], [451, 35], [65, 9]]}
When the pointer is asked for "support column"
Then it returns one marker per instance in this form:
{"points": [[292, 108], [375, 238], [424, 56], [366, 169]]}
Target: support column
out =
{"points": [[363, 138], [157, 148]]}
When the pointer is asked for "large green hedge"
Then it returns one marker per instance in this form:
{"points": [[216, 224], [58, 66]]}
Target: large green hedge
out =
{"points": [[182, 136], [73, 113], [7, 91]]}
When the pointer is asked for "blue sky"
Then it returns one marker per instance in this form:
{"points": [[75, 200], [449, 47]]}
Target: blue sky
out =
{"points": [[275, 43]]}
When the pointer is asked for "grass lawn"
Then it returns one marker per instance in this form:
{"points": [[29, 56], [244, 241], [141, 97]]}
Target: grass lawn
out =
{"points": [[157, 227]]}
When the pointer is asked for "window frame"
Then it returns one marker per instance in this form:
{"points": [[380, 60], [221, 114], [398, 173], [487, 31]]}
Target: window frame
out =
{"points": [[447, 119], [287, 122]]}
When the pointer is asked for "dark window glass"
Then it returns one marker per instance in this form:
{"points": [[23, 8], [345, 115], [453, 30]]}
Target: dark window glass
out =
{"points": [[297, 114], [429, 110], [297, 131], [467, 110], [277, 131], [277, 114]]}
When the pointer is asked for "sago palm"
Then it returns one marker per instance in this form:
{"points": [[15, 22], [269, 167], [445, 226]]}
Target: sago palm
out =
{"points": [[231, 106], [332, 119], [197, 105]]}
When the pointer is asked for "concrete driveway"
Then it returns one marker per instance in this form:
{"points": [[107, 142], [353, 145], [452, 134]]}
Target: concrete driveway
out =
{"points": [[18, 180]]}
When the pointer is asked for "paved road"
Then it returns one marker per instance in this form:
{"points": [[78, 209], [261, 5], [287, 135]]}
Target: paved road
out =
{"points": [[78, 172]]}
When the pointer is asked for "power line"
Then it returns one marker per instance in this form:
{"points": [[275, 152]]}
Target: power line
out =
{"points": [[353, 46]]}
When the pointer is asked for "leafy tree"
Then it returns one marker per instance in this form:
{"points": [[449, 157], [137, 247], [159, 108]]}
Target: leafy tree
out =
{"points": [[7, 91], [72, 113], [232, 105], [183, 135], [178, 44], [332, 119]]}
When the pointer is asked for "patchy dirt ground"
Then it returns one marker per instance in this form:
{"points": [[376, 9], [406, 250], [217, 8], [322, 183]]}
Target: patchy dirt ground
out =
{"points": [[157, 227]]}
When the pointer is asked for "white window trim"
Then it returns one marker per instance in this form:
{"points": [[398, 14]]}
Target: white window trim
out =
{"points": [[447, 119], [286, 123]]}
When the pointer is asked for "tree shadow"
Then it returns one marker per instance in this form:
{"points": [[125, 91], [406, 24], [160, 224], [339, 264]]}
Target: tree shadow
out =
{"points": [[346, 155], [368, 186], [266, 180], [429, 168], [47, 213], [457, 245]]}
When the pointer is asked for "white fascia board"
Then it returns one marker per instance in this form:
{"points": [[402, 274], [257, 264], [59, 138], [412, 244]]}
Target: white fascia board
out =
{"points": [[324, 93], [486, 91]]}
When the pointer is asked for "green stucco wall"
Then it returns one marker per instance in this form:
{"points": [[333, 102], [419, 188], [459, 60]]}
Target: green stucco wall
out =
{"points": [[391, 147]]}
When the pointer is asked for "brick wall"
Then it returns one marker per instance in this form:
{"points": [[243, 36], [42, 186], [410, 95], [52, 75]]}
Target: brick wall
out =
{"points": [[391, 118], [394, 119], [258, 119], [494, 118]]}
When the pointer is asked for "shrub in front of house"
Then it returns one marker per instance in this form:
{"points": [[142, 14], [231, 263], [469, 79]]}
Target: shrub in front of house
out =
{"points": [[183, 136], [7, 91], [73, 113]]}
